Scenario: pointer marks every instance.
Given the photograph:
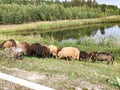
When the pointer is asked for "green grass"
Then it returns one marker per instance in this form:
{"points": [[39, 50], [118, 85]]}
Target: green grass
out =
{"points": [[95, 73]]}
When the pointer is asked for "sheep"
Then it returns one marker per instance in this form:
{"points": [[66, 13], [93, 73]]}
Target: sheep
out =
{"points": [[13, 53], [39, 50], [13, 43], [84, 55], [59, 49], [68, 53], [53, 50], [8, 43], [103, 56], [25, 46], [45, 51], [92, 55], [34, 49]]}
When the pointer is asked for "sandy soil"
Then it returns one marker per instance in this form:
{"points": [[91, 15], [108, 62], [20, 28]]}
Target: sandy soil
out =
{"points": [[6, 85], [58, 82]]}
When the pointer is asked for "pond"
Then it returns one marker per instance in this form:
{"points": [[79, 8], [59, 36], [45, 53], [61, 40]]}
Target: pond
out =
{"points": [[71, 34], [97, 32]]}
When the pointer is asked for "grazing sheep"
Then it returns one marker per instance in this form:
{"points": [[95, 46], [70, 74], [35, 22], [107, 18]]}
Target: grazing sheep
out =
{"points": [[13, 53], [39, 50], [45, 51], [34, 49], [53, 50], [103, 56], [92, 55], [25, 46], [8, 43], [59, 49], [68, 53], [84, 55]]}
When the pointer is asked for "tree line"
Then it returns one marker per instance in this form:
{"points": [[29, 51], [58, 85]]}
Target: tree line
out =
{"points": [[23, 11]]}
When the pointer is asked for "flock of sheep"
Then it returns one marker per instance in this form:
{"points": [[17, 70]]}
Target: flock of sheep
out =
{"points": [[14, 49]]}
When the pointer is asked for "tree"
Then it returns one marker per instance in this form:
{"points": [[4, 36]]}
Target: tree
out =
{"points": [[89, 3], [103, 8], [94, 3], [75, 2]]}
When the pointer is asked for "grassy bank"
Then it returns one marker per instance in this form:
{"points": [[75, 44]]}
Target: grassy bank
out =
{"points": [[70, 74], [46, 25]]}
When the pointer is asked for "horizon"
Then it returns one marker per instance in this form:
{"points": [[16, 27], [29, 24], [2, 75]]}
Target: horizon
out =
{"points": [[109, 2]]}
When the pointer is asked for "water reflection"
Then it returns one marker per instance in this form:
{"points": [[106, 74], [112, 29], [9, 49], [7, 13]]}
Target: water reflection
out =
{"points": [[113, 31], [102, 30], [97, 32]]}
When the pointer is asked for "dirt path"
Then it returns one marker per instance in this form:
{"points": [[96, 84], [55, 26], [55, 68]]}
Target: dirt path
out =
{"points": [[6, 85], [59, 82]]}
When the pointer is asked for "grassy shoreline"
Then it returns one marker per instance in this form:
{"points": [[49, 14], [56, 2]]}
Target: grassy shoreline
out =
{"points": [[76, 71], [50, 25]]}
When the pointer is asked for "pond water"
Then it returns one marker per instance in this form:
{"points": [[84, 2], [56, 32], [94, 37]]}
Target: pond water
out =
{"points": [[71, 34], [96, 32]]}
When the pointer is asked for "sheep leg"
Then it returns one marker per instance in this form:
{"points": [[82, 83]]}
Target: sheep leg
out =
{"points": [[108, 62], [93, 60], [67, 59], [55, 57], [111, 62]]}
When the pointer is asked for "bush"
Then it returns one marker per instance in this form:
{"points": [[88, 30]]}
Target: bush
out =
{"points": [[15, 14]]}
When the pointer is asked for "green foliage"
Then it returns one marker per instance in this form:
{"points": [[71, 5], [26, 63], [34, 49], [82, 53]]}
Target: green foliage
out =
{"points": [[115, 82], [11, 14], [23, 13]]}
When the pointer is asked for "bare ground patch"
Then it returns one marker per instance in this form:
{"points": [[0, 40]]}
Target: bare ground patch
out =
{"points": [[59, 82], [6, 85]]}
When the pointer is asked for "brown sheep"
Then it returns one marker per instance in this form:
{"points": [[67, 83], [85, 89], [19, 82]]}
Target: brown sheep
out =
{"points": [[8, 43], [44, 51], [84, 55], [102, 56], [39, 50], [68, 53], [13, 43], [25, 46], [92, 55], [105, 56], [59, 49], [53, 50], [34, 49]]}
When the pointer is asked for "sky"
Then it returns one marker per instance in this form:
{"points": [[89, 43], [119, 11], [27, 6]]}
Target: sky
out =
{"points": [[109, 2]]}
